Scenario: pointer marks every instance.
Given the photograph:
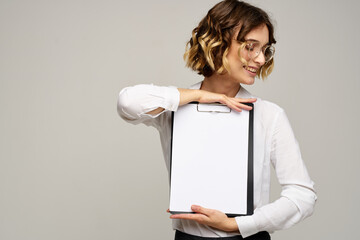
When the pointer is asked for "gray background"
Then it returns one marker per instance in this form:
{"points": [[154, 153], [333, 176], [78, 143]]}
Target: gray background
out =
{"points": [[70, 168]]}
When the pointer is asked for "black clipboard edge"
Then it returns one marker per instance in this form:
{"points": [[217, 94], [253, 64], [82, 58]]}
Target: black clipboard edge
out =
{"points": [[250, 204], [250, 187], [227, 214], [171, 144]]}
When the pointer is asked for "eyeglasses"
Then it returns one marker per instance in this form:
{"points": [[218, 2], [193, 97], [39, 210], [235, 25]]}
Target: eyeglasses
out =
{"points": [[254, 48]]}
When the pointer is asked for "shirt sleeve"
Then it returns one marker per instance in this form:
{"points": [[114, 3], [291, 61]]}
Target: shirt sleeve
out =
{"points": [[298, 195], [135, 102]]}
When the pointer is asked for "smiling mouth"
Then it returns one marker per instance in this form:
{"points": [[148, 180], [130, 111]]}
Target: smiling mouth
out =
{"points": [[251, 69]]}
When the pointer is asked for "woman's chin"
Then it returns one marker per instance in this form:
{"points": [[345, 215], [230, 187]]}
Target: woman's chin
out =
{"points": [[248, 81]]}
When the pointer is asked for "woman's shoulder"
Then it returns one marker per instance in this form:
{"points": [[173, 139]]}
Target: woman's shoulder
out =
{"points": [[266, 114], [267, 106], [261, 105]]}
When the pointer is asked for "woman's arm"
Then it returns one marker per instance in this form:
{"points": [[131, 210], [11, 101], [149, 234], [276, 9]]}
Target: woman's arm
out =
{"points": [[196, 95], [298, 195], [202, 96], [145, 101], [297, 198]]}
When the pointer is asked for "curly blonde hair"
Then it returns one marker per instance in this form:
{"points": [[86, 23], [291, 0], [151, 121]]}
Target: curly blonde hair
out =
{"points": [[208, 47]]}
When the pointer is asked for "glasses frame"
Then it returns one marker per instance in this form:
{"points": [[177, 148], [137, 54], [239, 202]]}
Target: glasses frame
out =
{"points": [[245, 43]]}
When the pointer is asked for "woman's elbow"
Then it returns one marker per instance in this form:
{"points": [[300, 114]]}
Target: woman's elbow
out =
{"points": [[124, 105], [303, 197], [309, 204]]}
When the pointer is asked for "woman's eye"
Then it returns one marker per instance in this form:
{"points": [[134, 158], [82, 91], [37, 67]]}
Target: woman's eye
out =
{"points": [[249, 47]]}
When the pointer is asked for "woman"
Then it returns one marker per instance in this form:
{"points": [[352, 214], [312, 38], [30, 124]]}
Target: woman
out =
{"points": [[231, 46]]}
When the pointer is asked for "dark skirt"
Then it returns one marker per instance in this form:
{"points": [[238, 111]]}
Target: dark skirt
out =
{"points": [[258, 236]]}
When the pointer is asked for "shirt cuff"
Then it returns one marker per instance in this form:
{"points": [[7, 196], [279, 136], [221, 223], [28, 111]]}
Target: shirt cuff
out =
{"points": [[172, 98], [246, 225]]}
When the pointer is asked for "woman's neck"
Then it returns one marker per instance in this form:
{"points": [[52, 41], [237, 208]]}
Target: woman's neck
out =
{"points": [[220, 84]]}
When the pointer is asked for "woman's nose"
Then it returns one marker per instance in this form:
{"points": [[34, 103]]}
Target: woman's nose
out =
{"points": [[260, 59]]}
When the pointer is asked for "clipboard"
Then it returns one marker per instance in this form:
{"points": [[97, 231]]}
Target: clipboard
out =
{"points": [[211, 159]]}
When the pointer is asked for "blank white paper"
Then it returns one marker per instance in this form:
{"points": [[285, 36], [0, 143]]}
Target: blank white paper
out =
{"points": [[209, 165]]}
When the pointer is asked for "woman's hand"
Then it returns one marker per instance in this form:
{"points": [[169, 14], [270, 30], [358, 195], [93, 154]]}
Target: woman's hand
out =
{"points": [[210, 217], [202, 96], [233, 103]]}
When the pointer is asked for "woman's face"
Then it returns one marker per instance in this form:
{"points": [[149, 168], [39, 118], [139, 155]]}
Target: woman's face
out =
{"points": [[239, 72]]}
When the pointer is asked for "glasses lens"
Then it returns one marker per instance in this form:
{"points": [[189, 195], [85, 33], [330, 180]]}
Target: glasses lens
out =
{"points": [[269, 53], [254, 50]]}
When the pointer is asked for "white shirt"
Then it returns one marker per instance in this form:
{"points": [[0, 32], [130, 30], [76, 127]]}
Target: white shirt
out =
{"points": [[274, 144]]}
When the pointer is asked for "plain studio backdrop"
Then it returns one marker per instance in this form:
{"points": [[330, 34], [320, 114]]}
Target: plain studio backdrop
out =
{"points": [[70, 168]]}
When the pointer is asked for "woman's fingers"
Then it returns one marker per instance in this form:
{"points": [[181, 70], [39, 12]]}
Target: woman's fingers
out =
{"points": [[229, 102], [246, 100], [202, 210], [200, 216], [210, 217], [240, 101], [240, 105], [196, 217], [237, 103], [243, 106], [234, 103]]}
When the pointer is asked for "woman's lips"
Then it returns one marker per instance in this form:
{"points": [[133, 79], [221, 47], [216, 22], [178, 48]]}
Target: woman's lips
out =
{"points": [[251, 70]]}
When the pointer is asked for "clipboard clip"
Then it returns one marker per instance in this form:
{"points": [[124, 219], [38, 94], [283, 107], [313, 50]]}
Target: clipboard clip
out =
{"points": [[213, 108]]}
